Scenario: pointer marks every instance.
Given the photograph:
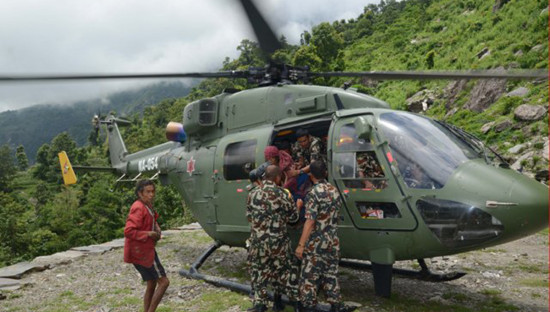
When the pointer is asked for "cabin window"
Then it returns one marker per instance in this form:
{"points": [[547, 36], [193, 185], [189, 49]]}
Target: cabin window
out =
{"points": [[375, 210], [357, 163], [239, 159]]}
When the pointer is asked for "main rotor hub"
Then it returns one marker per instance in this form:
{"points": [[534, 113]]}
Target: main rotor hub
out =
{"points": [[274, 73]]}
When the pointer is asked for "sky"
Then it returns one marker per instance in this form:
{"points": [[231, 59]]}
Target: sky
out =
{"points": [[134, 36]]}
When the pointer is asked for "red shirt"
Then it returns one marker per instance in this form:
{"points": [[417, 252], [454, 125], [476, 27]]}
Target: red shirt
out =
{"points": [[139, 248]]}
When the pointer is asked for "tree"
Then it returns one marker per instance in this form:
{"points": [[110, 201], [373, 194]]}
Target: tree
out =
{"points": [[47, 161], [101, 217], [93, 137], [22, 160], [63, 142], [305, 38], [7, 167], [251, 55], [41, 170], [14, 218], [306, 56], [327, 42]]}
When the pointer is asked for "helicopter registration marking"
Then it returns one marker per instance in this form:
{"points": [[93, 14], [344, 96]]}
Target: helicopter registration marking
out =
{"points": [[148, 164]]}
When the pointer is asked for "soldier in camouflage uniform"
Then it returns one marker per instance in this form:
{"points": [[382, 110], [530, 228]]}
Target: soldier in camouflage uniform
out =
{"points": [[368, 167], [269, 209], [306, 149], [319, 246]]}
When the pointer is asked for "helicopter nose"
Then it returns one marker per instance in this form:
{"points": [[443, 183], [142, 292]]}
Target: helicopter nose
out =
{"points": [[517, 201], [530, 215]]}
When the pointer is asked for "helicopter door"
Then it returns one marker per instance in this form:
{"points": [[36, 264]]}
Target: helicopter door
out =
{"points": [[361, 172], [236, 155]]}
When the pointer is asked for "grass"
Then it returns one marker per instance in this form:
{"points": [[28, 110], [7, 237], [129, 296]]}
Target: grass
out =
{"points": [[533, 268], [456, 297], [398, 303], [240, 272], [126, 301], [495, 250], [220, 301], [532, 282], [491, 292], [495, 302], [199, 238]]}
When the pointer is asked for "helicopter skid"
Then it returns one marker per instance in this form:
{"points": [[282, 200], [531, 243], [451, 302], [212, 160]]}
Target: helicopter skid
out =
{"points": [[424, 274]]}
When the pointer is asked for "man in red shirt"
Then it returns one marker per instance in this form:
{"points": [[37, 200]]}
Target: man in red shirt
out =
{"points": [[142, 233]]}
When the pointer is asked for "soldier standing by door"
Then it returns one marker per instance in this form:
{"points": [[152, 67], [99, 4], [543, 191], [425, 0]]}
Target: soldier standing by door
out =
{"points": [[269, 210], [319, 246]]}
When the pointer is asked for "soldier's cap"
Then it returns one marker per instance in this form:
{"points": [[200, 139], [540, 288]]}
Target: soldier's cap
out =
{"points": [[258, 173]]}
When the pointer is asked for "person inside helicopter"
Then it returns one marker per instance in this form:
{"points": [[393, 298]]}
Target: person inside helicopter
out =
{"points": [[415, 177], [369, 169], [284, 145], [306, 149], [283, 160]]}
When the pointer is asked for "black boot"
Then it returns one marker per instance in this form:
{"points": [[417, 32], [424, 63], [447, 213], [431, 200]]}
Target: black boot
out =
{"points": [[278, 304], [258, 308], [339, 307], [297, 306]]}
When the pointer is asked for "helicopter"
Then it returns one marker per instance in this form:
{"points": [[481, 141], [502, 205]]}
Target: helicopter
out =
{"points": [[440, 190]]}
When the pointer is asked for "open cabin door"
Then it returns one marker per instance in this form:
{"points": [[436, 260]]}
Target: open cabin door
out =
{"points": [[361, 171], [236, 155]]}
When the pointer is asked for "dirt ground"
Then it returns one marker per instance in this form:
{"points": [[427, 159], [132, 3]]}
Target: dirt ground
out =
{"points": [[510, 277]]}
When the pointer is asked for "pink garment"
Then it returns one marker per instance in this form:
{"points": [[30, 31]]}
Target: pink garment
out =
{"points": [[285, 160]]}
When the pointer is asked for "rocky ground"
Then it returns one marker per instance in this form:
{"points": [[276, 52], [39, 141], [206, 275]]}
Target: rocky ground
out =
{"points": [[510, 277]]}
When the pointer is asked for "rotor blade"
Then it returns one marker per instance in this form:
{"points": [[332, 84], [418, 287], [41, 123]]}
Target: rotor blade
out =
{"points": [[266, 37], [32, 77], [426, 75]]}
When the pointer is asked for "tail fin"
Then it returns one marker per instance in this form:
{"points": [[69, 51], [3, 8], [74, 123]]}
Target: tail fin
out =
{"points": [[66, 169], [117, 148]]}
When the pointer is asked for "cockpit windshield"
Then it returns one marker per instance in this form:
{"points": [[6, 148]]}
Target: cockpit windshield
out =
{"points": [[426, 151]]}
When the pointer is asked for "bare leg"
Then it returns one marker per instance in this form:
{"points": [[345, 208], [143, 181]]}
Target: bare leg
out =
{"points": [[149, 294], [163, 283]]}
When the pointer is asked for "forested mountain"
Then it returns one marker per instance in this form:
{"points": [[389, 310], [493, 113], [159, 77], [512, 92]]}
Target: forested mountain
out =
{"points": [[36, 125], [39, 216]]}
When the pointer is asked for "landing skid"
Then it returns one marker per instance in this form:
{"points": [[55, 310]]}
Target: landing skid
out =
{"points": [[424, 274], [382, 274], [194, 273]]}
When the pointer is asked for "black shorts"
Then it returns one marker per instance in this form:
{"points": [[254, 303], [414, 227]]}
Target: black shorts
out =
{"points": [[153, 272]]}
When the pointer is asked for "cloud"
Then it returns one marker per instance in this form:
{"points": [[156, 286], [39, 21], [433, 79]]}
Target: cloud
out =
{"points": [[133, 36]]}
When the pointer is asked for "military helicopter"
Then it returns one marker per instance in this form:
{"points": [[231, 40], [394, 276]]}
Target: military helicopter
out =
{"points": [[439, 191]]}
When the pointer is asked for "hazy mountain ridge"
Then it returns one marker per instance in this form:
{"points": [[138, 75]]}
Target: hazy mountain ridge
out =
{"points": [[36, 125]]}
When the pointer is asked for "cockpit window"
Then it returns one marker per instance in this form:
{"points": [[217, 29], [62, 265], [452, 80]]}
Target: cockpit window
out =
{"points": [[356, 161], [426, 152]]}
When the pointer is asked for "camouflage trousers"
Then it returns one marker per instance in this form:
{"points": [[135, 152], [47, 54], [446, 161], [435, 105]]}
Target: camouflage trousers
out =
{"points": [[319, 271], [271, 264]]}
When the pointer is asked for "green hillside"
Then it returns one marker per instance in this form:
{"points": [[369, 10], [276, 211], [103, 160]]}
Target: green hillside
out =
{"points": [[39, 216]]}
